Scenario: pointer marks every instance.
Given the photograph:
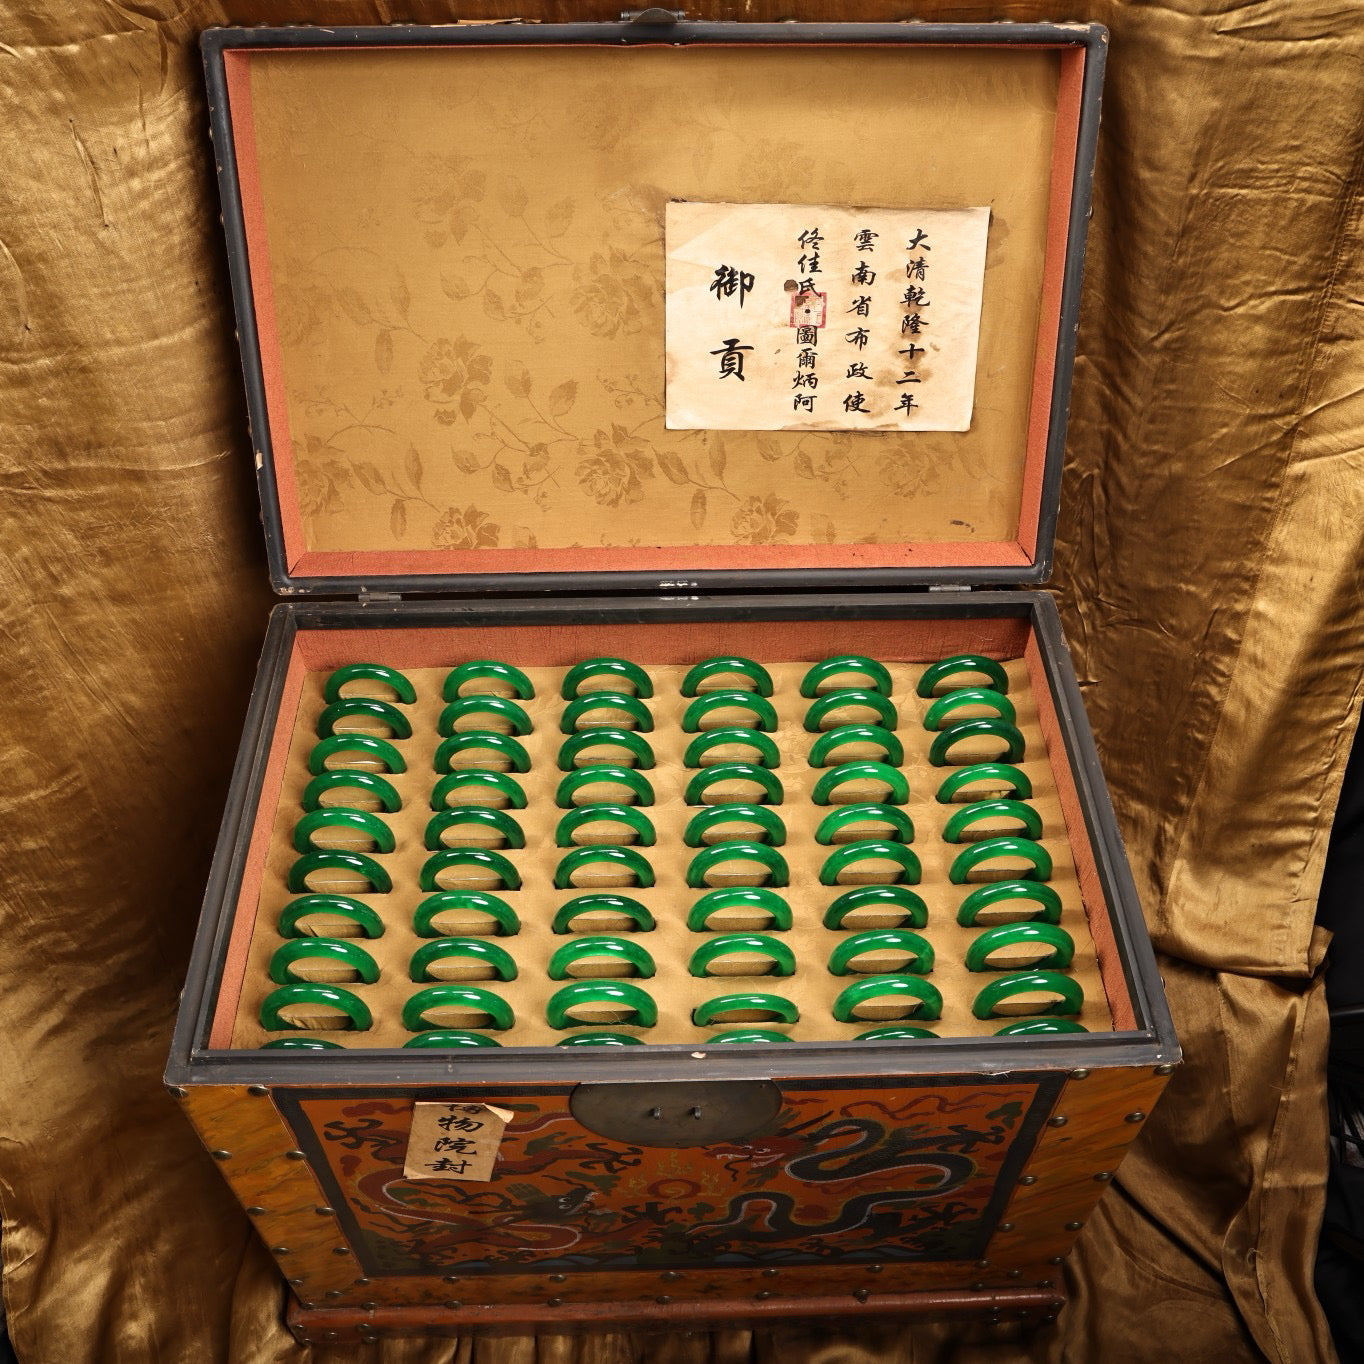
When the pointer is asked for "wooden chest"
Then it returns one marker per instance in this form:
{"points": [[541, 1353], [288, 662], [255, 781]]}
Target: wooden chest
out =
{"points": [[448, 256]]}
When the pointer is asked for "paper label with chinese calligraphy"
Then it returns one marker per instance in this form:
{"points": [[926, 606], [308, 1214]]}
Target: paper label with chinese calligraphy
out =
{"points": [[789, 317], [454, 1141]]}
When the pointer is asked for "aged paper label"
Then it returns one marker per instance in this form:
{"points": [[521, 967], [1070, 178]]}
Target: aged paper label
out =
{"points": [[454, 1141], [792, 317]]}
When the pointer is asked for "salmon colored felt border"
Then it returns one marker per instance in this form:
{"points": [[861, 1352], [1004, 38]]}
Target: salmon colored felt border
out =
{"points": [[916, 554]]}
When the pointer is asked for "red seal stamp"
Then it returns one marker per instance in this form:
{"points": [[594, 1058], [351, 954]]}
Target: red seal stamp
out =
{"points": [[809, 310]]}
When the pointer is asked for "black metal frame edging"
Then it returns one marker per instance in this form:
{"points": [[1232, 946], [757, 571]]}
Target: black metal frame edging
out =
{"points": [[1092, 37], [191, 1062]]}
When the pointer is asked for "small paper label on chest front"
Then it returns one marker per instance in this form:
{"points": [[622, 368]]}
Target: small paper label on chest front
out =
{"points": [[454, 1141], [790, 317]]}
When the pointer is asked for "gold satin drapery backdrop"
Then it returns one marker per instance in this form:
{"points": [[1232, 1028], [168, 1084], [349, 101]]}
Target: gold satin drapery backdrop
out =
{"points": [[1208, 570]]}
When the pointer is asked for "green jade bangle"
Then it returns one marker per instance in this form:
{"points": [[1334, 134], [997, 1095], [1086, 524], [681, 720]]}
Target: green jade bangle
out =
{"points": [[597, 902], [844, 816], [1070, 1001], [602, 946], [943, 742], [449, 1039], [1009, 894], [759, 707], [838, 861], [897, 1032], [743, 944], [505, 786], [483, 858], [599, 1039], [927, 998], [333, 860], [892, 750], [832, 778], [968, 697], [402, 689], [740, 897], [351, 779], [824, 706], [336, 950], [478, 950], [899, 899], [769, 825], [583, 815], [708, 859], [1051, 936], [497, 1009], [876, 674], [883, 940], [356, 707], [570, 721], [626, 859], [963, 663], [750, 1036], [616, 992], [273, 1020], [498, 706], [301, 1044], [341, 906], [1029, 821], [779, 1009], [707, 777], [732, 666], [1035, 1027], [334, 817], [486, 670], [496, 822], [1018, 783], [768, 755], [603, 775], [577, 744], [468, 740], [464, 902], [974, 855], [617, 669], [378, 750]]}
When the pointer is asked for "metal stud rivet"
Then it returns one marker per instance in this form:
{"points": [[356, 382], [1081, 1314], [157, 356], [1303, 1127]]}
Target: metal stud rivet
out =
{"points": [[1047, 1320], [1055, 1259], [1104, 1176], [295, 1282], [328, 1335], [325, 1211], [1027, 1179], [308, 1305], [1045, 1283], [1074, 1226], [176, 1092], [763, 1296], [875, 1269], [363, 1283], [769, 1273], [982, 1264], [255, 1212], [672, 1276], [1164, 1070], [221, 1155], [294, 1155], [332, 1293], [369, 1306], [1057, 1121], [558, 1278], [977, 1287], [279, 1250], [454, 1304], [1006, 1226], [1015, 1273], [663, 1298], [1079, 1075], [259, 1091], [556, 1302], [449, 1278], [340, 1250], [1138, 1116], [861, 1294]]}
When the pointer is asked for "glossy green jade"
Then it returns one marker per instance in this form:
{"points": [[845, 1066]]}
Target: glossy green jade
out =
{"points": [[471, 997], [619, 670], [767, 781], [821, 751], [1019, 784], [843, 817], [750, 1036], [486, 670], [477, 950], [897, 784], [1070, 996], [896, 1032], [969, 698], [920, 950], [464, 902], [333, 859], [351, 744], [483, 859], [618, 993], [338, 951], [335, 817], [1035, 1027], [497, 823], [402, 689], [481, 740], [873, 850], [338, 906], [600, 774], [583, 816], [975, 855], [1047, 936], [351, 779], [763, 746], [782, 958], [570, 722], [599, 1039], [876, 674], [731, 666], [620, 952], [959, 664], [332, 996], [758, 898], [300, 1044], [499, 707], [835, 702], [708, 859], [623, 859], [1029, 821], [705, 821], [898, 898], [759, 707], [450, 1039], [745, 1001], [576, 745], [1009, 895], [474, 779], [362, 707], [940, 750], [925, 997], [602, 902]]}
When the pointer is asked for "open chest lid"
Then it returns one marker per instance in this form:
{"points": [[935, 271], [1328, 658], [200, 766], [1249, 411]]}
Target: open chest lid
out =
{"points": [[472, 267]]}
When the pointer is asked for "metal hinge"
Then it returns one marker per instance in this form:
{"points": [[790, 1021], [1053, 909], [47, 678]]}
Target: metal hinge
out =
{"points": [[653, 16], [369, 598]]}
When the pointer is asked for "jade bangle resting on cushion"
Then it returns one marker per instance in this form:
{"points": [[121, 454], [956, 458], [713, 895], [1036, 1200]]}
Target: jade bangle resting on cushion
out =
{"points": [[767, 781], [599, 1039], [1015, 746], [781, 957], [959, 664], [896, 1032], [471, 997], [924, 998], [602, 902], [484, 859], [1070, 997], [477, 950], [361, 707], [847, 816], [578, 744], [975, 855], [759, 707], [618, 993], [602, 774], [1034, 1027], [872, 850], [369, 672], [618, 670], [499, 707], [334, 817], [350, 779], [463, 902], [449, 1039], [892, 751], [876, 674], [740, 897], [498, 823], [750, 1035], [769, 826], [621, 952], [617, 701], [623, 859], [300, 1044], [774, 1006], [732, 666], [508, 789], [969, 698], [762, 745], [337, 951], [359, 745], [1043, 903], [486, 670], [831, 779], [898, 899], [836, 702], [361, 864], [1029, 821], [1043, 936], [581, 816], [339, 906], [1018, 785], [919, 949], [708, 859], [272, 1018], [474, 740]]}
